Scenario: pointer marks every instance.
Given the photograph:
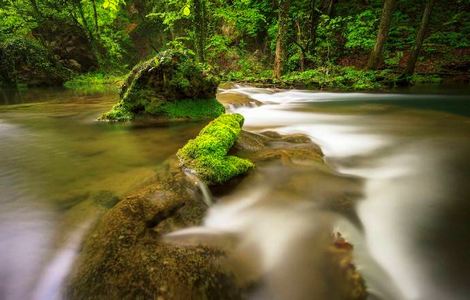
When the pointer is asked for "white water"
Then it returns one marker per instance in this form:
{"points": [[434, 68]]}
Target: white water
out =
{"points": [[398, 153]]}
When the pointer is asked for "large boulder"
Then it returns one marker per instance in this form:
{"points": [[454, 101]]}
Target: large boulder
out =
{"points": [[68, 43], [171, 85], [25, 61]]}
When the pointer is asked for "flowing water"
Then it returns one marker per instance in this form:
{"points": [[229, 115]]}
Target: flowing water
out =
{"points": [[399, 192]]}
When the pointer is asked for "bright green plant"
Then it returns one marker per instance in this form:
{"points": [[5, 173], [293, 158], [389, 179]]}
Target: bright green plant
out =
{"points": [[361, 30]]}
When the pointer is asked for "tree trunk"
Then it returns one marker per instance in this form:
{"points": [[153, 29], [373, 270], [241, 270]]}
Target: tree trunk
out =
{"points": [[327, 7], [314, 18], [300, 45], [281, 38], [95, 15], [410, 67], [85, 23], [200, 28], [384, 27]]}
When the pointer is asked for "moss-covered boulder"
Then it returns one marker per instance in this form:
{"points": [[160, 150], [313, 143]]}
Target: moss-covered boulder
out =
{"points": [[124, 256], [172, 85], [206, 155]]}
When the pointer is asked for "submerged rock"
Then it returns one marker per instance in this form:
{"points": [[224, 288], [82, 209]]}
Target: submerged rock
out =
{"points": [[206, 155], [170, 86]]}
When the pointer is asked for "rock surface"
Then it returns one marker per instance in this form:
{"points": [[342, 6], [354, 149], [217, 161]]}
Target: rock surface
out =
{"points": [[69, 43]]}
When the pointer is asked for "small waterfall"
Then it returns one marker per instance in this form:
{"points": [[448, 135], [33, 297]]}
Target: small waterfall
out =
{"points": [[206, 193]]}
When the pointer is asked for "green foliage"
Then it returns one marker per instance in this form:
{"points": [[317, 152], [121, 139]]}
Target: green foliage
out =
{"points": [[328, 35], [244, 16], [393, 58], [361, 30], [334, 77], [431, 78], [452, 39], [239, 36], [26, 61], [206, 155]]}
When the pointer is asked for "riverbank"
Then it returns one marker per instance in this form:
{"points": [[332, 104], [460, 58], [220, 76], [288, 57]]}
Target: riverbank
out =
{"points": [[333, 79]]}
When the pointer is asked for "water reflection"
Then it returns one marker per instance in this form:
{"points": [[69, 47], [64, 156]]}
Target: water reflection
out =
{"points": [[58, 169]]}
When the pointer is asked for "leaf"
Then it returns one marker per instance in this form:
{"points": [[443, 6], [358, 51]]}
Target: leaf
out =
{"points": [[186, 10]]}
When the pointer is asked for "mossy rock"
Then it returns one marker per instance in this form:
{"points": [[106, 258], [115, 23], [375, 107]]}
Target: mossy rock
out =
{"points": [[171, 85], [206, 155], [125, 257]]}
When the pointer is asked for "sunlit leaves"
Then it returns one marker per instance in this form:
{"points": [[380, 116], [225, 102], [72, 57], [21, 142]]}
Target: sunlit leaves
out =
{"points": [[112, 4], [186, 10]]}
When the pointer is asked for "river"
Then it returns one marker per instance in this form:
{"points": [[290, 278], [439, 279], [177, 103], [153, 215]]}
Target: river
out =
{"points": [[59, 169]]}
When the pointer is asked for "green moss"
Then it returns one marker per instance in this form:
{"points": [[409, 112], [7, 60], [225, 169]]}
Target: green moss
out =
{"points": [[207, 156], [117, 113]]}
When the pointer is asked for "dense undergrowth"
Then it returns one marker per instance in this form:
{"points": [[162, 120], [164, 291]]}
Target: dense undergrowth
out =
{"points": [[327, 43]]}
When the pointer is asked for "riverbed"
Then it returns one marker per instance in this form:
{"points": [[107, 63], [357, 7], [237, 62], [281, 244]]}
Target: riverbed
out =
{"points": [[408, 150]]}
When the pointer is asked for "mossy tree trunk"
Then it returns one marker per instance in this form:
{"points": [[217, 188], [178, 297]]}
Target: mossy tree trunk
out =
{"points": [[411, 64], [377, 53], [200, 27], [281, 39]]}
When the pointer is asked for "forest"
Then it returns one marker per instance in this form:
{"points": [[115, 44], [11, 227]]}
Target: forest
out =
{"points": [[357, 44], [234, 150]]}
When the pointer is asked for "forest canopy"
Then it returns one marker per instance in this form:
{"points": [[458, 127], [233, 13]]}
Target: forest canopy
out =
{"points": [[326, 41]]}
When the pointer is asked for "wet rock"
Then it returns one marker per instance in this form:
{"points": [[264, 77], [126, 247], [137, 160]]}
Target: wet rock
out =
{"points": [[237, 100], [124, 257], [267, 146], [342, 254], [171, 85], [69, 43]]}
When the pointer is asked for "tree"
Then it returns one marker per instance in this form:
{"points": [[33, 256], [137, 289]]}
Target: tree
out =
{"points": [[410, 67], [95, 17], [384, 27], [200, 27], [281, 38]]}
